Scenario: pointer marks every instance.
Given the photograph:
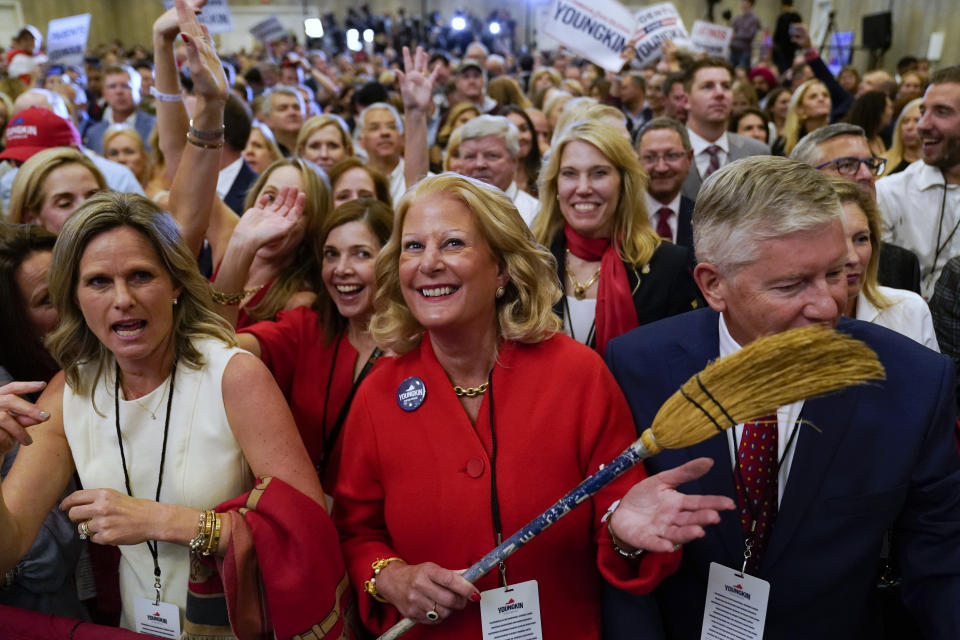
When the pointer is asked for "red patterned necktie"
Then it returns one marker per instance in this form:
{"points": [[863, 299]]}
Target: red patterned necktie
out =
{"points": [[663, 223], [714, 152], [757, 494]]}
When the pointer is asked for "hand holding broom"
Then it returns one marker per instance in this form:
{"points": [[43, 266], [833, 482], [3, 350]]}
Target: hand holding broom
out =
{"points": [[804, 363]]}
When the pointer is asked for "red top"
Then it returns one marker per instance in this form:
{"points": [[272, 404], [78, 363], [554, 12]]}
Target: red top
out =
{"points": [[293, 348], [417, 485]]}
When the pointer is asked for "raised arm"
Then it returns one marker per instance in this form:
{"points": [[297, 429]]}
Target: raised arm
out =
{"points": [[416, 88]]}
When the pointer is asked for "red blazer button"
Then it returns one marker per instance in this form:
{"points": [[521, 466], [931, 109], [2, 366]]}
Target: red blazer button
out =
{"points": [[475, 467]]}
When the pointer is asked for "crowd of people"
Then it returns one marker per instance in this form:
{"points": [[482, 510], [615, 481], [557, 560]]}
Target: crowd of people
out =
{"points": [[290, 337]]}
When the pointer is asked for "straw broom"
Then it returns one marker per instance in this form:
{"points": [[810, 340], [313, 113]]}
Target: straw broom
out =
{"points": [[766, 374]]}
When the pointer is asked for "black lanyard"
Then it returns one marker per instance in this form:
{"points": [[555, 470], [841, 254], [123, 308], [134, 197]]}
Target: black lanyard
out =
{"points": [[330, 440], [941, 247], [163, 456], [591, 335], [494, 496]]}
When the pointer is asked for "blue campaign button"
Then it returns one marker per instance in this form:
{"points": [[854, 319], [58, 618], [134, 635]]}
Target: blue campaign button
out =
{"points": [[411, 393]]}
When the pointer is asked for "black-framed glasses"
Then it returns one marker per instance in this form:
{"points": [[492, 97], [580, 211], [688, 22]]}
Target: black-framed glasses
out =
{"points": [[849, 165]]}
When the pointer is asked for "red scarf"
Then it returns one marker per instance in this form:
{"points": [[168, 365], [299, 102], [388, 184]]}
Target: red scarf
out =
{"points": [[615, 313]]}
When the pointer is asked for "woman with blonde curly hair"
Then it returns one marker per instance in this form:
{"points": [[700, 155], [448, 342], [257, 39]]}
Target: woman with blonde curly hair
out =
{"points": [[808, 111], [464, 297], [324, 141], [615, 270]]}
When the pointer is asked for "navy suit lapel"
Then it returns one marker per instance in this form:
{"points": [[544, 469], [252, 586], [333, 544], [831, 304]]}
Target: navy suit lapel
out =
{"points": [[719, 480], [814, 453]]}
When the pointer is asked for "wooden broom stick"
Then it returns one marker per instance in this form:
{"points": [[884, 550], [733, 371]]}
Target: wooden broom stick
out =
{"points": [[766, 374]]}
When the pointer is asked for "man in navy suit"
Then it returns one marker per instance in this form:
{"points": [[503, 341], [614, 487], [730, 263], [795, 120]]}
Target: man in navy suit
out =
{"points": [[665, 152], [851, 466]]}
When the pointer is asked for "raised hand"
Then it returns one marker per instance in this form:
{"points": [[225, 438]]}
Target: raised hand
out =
{"points": [[16, 414], [206, 70], [273, 217], [654, 516], [418, 589], [167, 25], [416, 83]]}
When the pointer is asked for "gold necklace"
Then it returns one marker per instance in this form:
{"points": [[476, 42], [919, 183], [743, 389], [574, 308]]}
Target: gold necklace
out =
{"points": [[580, 288], [470, 392], [153, 412]]}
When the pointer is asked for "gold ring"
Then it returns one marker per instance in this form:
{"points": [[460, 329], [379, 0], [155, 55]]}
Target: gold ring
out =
{"points": [[85, 530], [432, 615]]}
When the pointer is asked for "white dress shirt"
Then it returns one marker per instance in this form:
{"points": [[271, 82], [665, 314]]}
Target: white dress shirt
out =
{"points": [[787, 417], [227, 176], [911, 203], [526, 204], [655, 205], [907, 314], [700, 154]]}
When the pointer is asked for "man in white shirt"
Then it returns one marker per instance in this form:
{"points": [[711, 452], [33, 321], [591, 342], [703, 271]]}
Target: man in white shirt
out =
{"points": [[665, 152], [921, 205], [709, 101], [488, 152], [284, 111]]}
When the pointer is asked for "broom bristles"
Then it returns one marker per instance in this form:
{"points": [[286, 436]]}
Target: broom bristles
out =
{"points": [[766, 374]]}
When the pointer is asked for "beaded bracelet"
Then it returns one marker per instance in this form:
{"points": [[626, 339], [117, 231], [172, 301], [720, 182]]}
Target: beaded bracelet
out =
{"points": [[165, 97], [233, 298], [199, 541]]}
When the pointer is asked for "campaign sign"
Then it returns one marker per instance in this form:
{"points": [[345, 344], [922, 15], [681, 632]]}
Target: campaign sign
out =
{"points": [[712, 39], [657, 23], [67, 39], [597, 30], [215, 15], [269, 30]]}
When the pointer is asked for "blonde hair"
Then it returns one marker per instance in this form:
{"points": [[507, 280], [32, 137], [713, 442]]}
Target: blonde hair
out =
{"points": [[635, 238], [555, 80], [72, 343], [894, 154], [303, 271], [850, 193], [506, 90], [453, 147], [126, 130], [443, 136], [316, 123], [794, 126], [524, 312], [26, 194]]}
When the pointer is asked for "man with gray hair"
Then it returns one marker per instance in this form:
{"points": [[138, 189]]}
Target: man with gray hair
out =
{"points": [[488, 152], [283, 110], [810, 524], [841, 149], [665, 153], [380, 133]]}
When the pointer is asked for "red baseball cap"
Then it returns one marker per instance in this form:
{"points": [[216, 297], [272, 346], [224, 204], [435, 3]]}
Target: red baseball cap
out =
{"points": [[35, 129]]}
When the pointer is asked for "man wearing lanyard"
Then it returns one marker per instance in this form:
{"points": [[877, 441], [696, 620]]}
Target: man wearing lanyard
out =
{"points": [[819, 483], [921, 205]]}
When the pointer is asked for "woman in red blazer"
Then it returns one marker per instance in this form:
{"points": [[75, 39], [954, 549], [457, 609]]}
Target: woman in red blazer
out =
{"points": [[486, 418]]}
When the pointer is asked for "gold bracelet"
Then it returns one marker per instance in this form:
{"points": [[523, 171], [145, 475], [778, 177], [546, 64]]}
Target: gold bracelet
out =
{"points": [[204, 144], [370, 586], [214, 542], [233, 298]]}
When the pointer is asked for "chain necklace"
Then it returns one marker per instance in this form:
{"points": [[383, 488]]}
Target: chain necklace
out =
{"points": [[153, 412], [470, 392], [580, 288]]}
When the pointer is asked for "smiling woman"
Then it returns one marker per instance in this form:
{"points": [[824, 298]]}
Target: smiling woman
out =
{"points": [[595, 221]]}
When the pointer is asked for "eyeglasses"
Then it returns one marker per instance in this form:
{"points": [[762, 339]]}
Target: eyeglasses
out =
{"points": [[669, 157], [848, 166]]}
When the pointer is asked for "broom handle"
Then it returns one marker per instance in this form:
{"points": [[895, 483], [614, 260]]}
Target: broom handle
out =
{"points": [[626, 460]]}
